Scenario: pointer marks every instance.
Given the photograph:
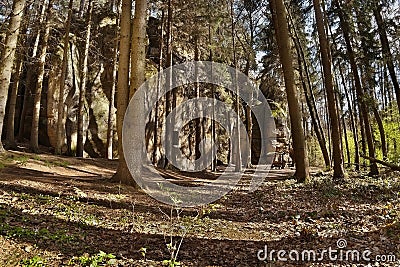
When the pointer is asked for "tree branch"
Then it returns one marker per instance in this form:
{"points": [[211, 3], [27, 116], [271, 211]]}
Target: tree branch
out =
{"points": [[384, 163]]}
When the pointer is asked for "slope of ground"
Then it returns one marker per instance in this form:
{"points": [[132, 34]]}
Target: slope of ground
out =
{"points": [[58, 211]]}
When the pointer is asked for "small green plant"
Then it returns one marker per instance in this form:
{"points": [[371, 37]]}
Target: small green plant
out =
{"points": [[44, 198], [48, 163], [206, 210], [36, 157], [100, 259], [18, 231], [143, 252], [171, 263], [61, 163], [36, 261], [6, 159], [175, 228], [22, 160]]}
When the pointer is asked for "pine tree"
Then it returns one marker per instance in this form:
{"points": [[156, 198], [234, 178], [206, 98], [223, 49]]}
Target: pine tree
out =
{"points": [[7, 57]]}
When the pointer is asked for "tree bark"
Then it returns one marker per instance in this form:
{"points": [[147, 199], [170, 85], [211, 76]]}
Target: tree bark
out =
{"points": [[237, 153], [309, 96], [10, 140], [82, 87], [359, 90], [30, 73], [138, 68], [138, 55], [168, 95], [156, 111], [338, 172], [82, 7], [15, 78], [111, 109], [346, 139], [352, 122], [387, 54], [384, 163], [213, 130], [123, 175], [7, 58], [197, 121], [313, 115], [60, 107], [368, 79], [285, 54], [34, 142]]}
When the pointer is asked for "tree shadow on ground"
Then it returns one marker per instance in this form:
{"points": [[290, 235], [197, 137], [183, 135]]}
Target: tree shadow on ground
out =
{"points": [[84, 238]]}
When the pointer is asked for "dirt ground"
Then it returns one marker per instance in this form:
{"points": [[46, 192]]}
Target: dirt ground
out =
{"points": [[59, 211]]}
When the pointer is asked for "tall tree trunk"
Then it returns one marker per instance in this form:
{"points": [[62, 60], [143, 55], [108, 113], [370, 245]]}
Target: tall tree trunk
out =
{"points": [[82, 87], [387, 54], [156, 111], [362, 132], [382, 86], [168, 95], [82, 8], [359, 90], [10, 140], [313, 115], [7, 58], [213, 132], [111, 109], [340, 115], [15, 78], [61, 104], [249, 126], [381, 130], [285, 54], [352, 122], [368, 79], [346, 139], [123, 175], [338, 172], [369, 84], [237, 153], [197, 121], [138, 68], [39, 86], [248, 113], [31, 72], [309, 96], [138, 64]]}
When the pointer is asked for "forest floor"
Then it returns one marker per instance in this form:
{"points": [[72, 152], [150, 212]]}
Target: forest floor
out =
{"points": [[59, 211]]}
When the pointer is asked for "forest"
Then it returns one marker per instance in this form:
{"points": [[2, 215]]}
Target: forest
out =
{"points": [[199, 133]]}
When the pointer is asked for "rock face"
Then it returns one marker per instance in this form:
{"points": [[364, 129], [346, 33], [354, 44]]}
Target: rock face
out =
{"points": [[98, 88], [52, 97], [98, 91]]}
